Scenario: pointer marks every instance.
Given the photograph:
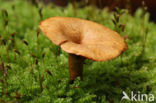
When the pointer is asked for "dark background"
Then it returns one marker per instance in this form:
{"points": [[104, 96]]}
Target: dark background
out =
{"points": [[131, 5]]}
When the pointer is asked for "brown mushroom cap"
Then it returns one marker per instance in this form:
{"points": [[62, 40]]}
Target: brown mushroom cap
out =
{"points": [[84, 38]]}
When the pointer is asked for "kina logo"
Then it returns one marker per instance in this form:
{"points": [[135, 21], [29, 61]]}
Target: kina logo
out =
{"points": [[137, 97]]}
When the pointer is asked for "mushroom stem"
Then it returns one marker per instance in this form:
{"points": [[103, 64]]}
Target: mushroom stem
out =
{"points": [[75, 66]]}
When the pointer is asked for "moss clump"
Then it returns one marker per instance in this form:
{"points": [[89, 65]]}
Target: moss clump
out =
{"points": [[33, 70]]}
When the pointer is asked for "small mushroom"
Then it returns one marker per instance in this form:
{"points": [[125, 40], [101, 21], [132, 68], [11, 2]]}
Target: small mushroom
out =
{"points": [[83, 39]]}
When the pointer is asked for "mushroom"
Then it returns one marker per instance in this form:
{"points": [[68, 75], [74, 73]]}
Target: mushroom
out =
{"points": [[83, 39]]}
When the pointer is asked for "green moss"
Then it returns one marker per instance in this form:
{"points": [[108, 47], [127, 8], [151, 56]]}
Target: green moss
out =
{"points": [[103, 81]]}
